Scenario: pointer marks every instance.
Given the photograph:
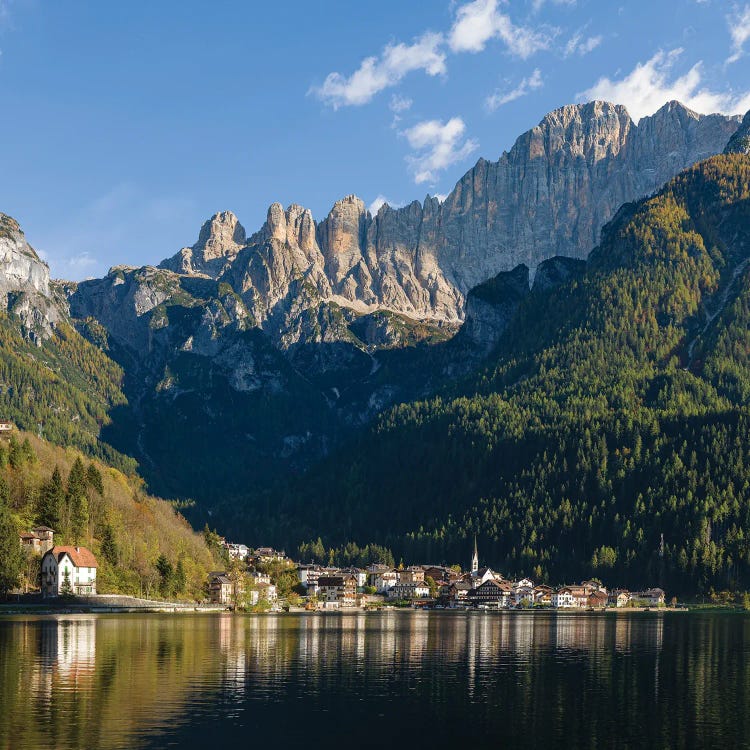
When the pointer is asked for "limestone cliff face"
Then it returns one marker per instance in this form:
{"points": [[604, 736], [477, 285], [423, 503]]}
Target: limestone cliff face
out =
{"points": [[25, 288], [562, 181], [548, 196], [220, 240], [740, 141]]}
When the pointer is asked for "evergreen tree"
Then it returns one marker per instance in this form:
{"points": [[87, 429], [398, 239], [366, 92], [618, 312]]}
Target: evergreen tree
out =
{"points": [[180, 578], [110, 550], [94, 479], [28, 452], [15, 455], [11, 556], [166, 575], [50, 502], [67, 587], [77, 500]]}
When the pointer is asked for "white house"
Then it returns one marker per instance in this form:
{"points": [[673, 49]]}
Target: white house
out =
{"points": [[68, 570], [409, 590], [384, 580], [563, 599], [523, 589]]}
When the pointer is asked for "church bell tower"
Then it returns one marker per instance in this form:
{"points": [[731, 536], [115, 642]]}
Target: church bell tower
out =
{"points": [[475, 558]]}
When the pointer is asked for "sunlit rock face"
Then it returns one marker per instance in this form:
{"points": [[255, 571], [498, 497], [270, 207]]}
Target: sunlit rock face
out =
{"points": [[25, 288], [548, 196]]}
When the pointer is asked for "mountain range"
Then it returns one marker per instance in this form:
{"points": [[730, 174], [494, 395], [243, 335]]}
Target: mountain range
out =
{"points": [[246, 370]]}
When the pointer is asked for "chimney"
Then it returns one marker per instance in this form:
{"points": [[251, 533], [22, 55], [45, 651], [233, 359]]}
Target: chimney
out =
{"points": [[78, 549]]}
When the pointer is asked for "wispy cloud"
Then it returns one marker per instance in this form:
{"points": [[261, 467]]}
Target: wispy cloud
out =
{"points": [[537, 5], [437, 145], [652, 83], [384, 71], [739, 31], [380, 201], [580, 45], [499, 97], [480, 21], [399, 105], [107, 228]]}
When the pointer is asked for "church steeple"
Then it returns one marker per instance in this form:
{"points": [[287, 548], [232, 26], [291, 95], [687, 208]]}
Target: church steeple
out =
{"points": [[475, 557]]}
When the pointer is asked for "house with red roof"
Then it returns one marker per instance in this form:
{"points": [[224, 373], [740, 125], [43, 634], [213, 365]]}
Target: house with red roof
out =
{"points": [[68, 570]]}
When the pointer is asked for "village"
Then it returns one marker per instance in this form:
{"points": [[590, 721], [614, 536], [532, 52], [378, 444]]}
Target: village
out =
{"points": [[265, 579], [421, 586]]}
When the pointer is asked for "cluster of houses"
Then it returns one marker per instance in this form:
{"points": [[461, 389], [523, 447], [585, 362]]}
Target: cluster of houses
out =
{"points": [[430, 586]]}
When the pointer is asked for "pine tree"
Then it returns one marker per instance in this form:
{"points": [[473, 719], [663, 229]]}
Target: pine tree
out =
{"points": [[11, 556], [15, 455], [94, 479], [166, 574], [77, 500], [67, 588], [51, 499], [110, 550]]}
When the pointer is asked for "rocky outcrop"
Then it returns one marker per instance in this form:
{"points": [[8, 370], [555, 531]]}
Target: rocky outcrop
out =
{"points": [[25, 288], [220, 240], [739, 143], [490, 307]]}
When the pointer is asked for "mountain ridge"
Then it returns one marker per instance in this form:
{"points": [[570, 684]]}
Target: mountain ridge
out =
{"points": [[273, 346], [422, 259]]}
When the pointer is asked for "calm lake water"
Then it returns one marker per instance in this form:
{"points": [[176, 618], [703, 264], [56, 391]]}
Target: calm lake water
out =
{"points": [[378, 680]]}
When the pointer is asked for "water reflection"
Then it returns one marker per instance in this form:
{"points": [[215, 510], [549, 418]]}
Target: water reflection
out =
{"points": [[546, 680]]}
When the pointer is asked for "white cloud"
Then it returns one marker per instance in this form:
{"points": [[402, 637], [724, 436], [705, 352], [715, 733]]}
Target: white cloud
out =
{"points": [[649, 85], [498, 98], [538, 4], [377, 73], [400, 103], [577, 45], [739, 30], [381, 200], [480, 21], [437, 145]]}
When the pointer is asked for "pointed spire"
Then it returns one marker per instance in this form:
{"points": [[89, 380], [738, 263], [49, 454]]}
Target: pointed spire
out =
{"points": [[475, 557]]}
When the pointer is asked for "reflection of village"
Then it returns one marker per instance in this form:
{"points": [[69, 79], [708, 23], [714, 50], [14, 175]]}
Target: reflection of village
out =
{"points": [[73, 657], [419, 586], [475, 646]]}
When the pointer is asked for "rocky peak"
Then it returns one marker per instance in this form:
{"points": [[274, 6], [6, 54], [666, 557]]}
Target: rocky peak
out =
{"points": [[222, 236], [24, 282], [739, 143], [220, 240], [294, 227]]}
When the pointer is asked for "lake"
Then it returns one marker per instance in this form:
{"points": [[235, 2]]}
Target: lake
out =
{"points": [[398, 679]]}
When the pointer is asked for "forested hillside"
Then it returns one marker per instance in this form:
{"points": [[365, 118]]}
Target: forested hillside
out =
{"points": [[143, 546], [61, 386], [613, 412]]}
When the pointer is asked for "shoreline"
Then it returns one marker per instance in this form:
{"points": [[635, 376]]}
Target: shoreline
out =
{"points": [[41, 610]]}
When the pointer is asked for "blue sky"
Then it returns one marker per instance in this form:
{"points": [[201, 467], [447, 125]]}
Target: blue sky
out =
{"points": [[126, 125]]}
